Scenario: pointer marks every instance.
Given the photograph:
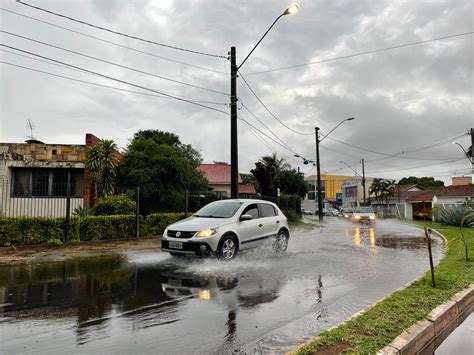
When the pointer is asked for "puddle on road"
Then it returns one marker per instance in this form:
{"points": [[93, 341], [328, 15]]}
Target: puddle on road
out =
{"points": [[257, 302]]}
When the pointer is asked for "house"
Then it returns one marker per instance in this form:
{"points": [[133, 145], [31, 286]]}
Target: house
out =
{"points": [[218, 176], [420, 205], [34, 177], [395, 206]]}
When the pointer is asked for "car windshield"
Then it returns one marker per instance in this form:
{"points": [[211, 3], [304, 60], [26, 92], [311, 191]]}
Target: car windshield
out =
{"points": [[219, 209], [346, 210], [364, 210]]}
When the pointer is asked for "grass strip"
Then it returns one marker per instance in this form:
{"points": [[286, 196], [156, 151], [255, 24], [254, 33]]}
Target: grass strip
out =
{"points": [[381, 324]]}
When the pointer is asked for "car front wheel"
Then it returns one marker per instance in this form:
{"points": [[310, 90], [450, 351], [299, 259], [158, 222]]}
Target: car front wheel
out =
{"points": [[228, 249], [281, 242]]}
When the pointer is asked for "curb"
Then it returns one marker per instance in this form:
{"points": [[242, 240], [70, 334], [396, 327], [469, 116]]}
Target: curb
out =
{"points": [[426, 335]]}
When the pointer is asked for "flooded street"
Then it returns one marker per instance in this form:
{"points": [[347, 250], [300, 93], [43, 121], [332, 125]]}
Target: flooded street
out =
{"points": [[146, 302]]}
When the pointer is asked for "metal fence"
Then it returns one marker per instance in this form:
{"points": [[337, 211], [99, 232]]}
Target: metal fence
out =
{"points": [[47, 199]]}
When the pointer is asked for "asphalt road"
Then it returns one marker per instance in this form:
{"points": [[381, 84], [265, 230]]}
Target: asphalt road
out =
{"points": [[148, 302]]}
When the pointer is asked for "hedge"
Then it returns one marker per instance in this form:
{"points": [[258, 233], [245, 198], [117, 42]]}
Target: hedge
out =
{"points": [[40, 230]]}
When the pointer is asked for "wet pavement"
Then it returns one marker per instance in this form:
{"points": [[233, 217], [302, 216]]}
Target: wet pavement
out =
{"points": [[461, 340], [148, 302]]}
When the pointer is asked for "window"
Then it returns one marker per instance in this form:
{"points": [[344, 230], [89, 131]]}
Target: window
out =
{"points": [[268, 210], [47, 182], [252, 210]]}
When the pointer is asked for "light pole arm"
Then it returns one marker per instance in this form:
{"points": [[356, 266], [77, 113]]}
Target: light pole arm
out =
{"points": [[248, 55], [464, 150], [355, 172], [340, 123]]}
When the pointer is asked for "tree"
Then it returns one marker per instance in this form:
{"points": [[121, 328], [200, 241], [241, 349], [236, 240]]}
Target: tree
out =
{"points": [[425, 182], [163, 168], [266, 171], [382, 190], [292, 182], [102, 162]]}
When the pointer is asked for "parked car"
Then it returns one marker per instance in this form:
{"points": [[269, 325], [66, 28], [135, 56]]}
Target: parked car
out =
{"points": [[306, 211], [363, 215], [346, 212], [225, 227]]}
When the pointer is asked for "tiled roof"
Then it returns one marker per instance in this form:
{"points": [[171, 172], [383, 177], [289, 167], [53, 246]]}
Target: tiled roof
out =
{"points": [[217, 173], [247, 189], [448, 191]]}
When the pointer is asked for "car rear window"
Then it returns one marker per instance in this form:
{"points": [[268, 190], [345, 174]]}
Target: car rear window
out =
{"points": [[268, 210]]}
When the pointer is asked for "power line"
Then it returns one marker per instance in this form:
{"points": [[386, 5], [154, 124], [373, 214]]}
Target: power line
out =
{"points": [[361, 53], [119, 33], [115, 79], [114, 64], [96, 84], [270, 112], [264, 125], [413, 167], [114, 43]]}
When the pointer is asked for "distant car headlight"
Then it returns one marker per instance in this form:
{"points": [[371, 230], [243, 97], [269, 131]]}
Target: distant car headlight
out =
{"points": [[346, 215], [206, 233], [372, 217], [165, 233], [357, 217]]}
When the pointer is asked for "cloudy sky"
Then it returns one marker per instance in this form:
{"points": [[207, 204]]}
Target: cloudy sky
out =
{"points": [[410, 103]]}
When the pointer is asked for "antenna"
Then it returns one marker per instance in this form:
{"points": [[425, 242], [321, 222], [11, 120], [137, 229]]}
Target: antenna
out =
{"points": [[31, 127]]}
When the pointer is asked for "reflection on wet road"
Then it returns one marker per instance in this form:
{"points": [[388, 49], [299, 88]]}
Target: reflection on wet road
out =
{"points": [[260, 302]]}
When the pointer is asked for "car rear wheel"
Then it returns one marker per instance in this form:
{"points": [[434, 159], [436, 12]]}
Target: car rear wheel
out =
{"points": [[228, 248], [281, 242]]}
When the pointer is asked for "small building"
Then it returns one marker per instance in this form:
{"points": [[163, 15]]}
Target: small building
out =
{"points": [[218, 176], [34, 177], [353, 192], [420, 205]]}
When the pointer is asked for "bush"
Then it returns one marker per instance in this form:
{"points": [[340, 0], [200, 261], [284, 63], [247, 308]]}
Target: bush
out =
{"points": [[115, 205], [291, 216], [83, 211], [108, 227], [54, 242], [453, 216], [157, 222], [29, 230]]}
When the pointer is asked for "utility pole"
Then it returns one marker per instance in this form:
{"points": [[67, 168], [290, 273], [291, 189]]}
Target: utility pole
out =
{"points": [[318, 185], [234, 169], [472, 150], [363, 179]]}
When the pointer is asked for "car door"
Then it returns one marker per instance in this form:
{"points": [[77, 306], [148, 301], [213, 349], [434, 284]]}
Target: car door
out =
{"points": [[251, 232], [271, 220]]}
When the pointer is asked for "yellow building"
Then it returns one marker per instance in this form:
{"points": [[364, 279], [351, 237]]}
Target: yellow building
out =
{"points": [[331, 186]]}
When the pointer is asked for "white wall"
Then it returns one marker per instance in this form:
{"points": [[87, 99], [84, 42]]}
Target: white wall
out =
{"points": [[39, 207]]}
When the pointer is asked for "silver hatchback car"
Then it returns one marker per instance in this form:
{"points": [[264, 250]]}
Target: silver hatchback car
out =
{"points": [[222, 228]]}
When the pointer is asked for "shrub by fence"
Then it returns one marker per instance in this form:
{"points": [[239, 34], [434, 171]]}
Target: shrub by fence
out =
{"points": [[40, 230]]}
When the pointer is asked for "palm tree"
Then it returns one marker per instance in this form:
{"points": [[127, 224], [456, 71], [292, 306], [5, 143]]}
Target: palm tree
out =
{"points": [[266, 171], [102, 162]]}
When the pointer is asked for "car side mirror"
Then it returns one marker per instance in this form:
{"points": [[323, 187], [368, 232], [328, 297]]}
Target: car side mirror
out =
{"points": [[245, 217]]}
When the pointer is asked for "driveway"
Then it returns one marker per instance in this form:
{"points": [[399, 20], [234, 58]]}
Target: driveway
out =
{"points": [[150, 302]]}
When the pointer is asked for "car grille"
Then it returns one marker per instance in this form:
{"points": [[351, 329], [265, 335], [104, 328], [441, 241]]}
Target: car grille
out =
{"points": [[180, 234]]}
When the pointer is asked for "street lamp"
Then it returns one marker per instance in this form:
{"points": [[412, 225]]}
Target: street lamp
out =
{"points": [[234, 155], [470, 158], [318, 166]]}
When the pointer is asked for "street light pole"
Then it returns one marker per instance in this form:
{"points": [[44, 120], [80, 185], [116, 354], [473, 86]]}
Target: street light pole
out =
{"points": [[234, 158], [318, 166], [318, 171], [363, 179], [234, 69]]}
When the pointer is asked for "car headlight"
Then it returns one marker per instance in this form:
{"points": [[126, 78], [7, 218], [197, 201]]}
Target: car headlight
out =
{"points": [[372, 217], [165, 233], [206, 233], [357, 217]]}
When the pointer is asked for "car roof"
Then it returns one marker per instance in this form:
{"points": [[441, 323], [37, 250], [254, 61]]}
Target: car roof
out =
{"points": [[249, 200]]}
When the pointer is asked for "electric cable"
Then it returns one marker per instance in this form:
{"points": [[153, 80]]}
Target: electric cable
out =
{"points": [[114, 64], [114, 43], [101, 85], [362, 53], [119, 33], [413, 167], [115, 79], [270, 112]]}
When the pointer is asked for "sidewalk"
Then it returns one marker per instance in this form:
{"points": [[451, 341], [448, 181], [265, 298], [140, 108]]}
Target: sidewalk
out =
{"points": [[460, 341]]}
